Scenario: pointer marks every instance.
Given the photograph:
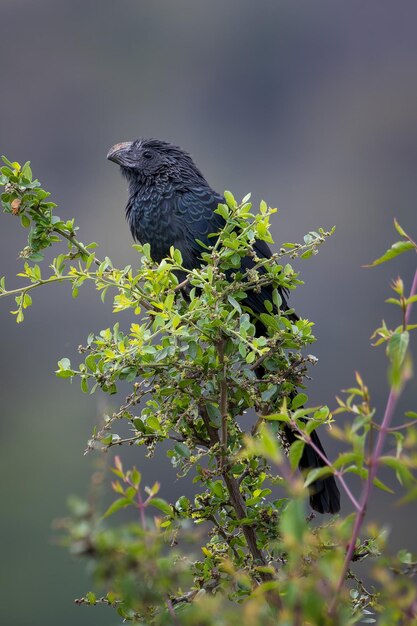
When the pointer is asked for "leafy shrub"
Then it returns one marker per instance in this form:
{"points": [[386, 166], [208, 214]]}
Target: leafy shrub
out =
{"points": [[236, 553]]}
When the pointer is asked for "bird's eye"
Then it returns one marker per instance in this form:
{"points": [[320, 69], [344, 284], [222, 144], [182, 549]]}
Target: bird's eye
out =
{"points": [[147, 154]]}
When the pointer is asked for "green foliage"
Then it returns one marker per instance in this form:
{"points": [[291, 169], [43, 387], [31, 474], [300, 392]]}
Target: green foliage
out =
{"points": [[240, 551]]}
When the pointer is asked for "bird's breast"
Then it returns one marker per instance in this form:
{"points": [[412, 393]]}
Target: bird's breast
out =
{"points": [[151, 220]]}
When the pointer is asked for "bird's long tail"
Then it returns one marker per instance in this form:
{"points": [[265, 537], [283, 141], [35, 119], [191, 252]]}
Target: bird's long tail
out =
{"points": [[324, 493]]}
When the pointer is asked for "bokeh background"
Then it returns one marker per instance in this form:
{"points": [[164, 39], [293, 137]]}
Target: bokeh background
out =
{"points": [[309, 105]]}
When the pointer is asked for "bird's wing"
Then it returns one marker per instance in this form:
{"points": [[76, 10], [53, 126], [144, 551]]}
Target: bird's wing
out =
{"points": [[194, 220]]}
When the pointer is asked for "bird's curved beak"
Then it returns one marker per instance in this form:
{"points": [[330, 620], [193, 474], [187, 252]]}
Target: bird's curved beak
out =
{"points": [[119, 153]]}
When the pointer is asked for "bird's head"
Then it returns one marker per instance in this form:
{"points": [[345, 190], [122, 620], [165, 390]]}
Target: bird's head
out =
{"points": [[147, 159]]}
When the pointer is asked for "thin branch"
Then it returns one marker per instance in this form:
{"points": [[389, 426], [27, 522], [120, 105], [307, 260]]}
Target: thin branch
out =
{"points": [[259, 361], [394, 428], [223, 396], [181, 285], [39, 283], [131, 440], [239, 506], [77, 244]]}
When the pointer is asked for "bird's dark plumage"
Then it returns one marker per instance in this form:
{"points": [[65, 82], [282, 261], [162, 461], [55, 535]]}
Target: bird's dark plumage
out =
{"points": [[171, 204]]}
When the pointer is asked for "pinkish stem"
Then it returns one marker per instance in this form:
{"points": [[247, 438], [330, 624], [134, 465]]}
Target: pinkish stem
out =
{"points": [[373, 467], [141, 508]]}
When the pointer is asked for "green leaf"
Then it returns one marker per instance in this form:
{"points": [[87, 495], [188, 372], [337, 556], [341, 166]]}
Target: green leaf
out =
{"points": [[400, 229], [135, 477], [177, 256], [214, 414], [223, 210], [26, 171], [404, 476], [183, 450], [160, 504], [65, 370], [250, 358], [397, 347], [91, 597], [25, 221], [396, 249], [5, 160], [153, 422], [269, 393], [277, 417], [27, 301], [64, 364], [380, 485], [345, 458], [217, 488], [405, 557], [90, 362], [230, 200], [121, 503], [235, 304], [299, 400], [319, 472], [295, 453]]}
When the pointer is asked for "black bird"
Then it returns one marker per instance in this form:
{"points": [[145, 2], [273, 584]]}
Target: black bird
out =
{"points": [[171, 204]]}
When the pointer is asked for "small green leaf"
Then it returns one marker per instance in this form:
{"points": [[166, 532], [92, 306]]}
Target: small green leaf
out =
{"points": [[250, 358], [223, 210], [299, 400], [214, 414], [404, 476], [318, 472], [153, 422], [405, 557], [235, 304], [135, 477], [230, 200], [378, 483], [160, 504], [26, 171], [345, 458], [295, 453], [217, 488], [400, 229], [64, 370], [183, 450], [121, 503], [396, 249], [269, 393], [277, 417], [25, 221], [91, 597], [397, 347]]}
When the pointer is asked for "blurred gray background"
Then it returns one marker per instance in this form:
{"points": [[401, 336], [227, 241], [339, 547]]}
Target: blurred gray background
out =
{"points": [[309, 105]]}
